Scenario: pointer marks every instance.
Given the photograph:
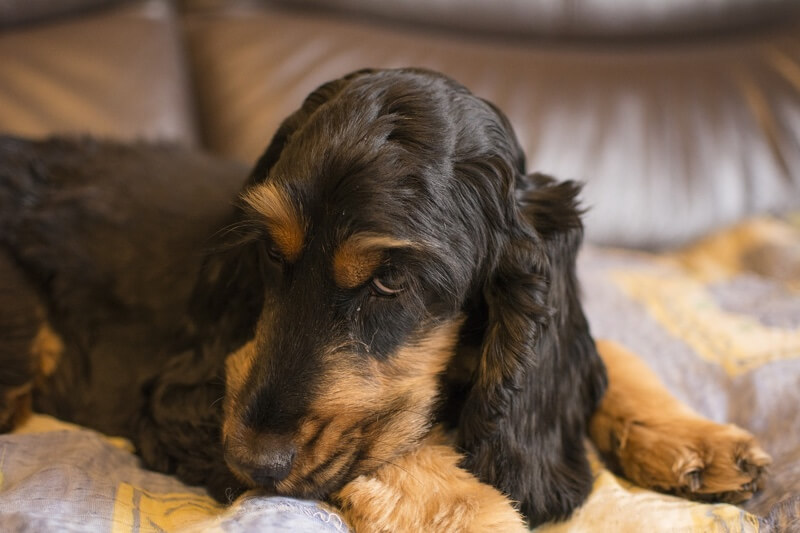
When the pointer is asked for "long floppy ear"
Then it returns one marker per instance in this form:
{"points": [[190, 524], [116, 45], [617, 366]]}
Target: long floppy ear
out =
{"points": [[539, 377]]}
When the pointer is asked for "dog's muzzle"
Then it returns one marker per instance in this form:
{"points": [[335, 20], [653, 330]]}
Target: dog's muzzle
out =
{"points": [[264, 459]]}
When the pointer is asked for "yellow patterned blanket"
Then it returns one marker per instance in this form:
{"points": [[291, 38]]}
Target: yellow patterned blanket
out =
{"points": [[718, 321]]}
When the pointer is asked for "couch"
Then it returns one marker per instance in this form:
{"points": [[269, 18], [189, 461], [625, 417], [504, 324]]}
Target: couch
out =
{"points": [[682, 118]]}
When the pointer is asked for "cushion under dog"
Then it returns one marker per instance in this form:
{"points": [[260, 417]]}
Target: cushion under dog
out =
{"points": [[718, 321]]}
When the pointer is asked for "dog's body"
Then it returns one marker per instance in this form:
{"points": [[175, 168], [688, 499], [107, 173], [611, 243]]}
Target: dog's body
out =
{"points": [[387, 266]]}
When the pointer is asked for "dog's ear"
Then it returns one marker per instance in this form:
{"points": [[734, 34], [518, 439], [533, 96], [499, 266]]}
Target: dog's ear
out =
{"points": [[539, 377]]}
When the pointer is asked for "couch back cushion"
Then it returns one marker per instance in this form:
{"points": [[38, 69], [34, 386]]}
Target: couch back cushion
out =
{"points": [[117, 72], [672, 139], [571, 18], [14, 12]]}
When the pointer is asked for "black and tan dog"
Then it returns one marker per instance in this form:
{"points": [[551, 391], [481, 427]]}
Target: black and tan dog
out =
{"points": [[388, 273]]}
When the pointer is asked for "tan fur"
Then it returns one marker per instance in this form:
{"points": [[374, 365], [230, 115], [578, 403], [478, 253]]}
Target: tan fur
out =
{"points": [[356, 391], [765, 246], [660, 443], [359, 390], [237, 367], [425, 490], [359, 256], [402, 485], [47, 349], [15, 407], [283, 220]]}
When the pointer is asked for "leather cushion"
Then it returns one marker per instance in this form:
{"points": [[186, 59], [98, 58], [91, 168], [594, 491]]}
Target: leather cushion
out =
{"points": [[673, 140], [116, 73], [571, 18], [23, 11]]}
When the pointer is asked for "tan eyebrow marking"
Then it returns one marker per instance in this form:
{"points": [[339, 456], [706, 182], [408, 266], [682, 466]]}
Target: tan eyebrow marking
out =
{"points": [[357, 257], [284, 222]]}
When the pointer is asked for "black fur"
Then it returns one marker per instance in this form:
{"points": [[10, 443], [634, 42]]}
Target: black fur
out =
{"points": [[523, 427], [403, 152], [106, 242]]}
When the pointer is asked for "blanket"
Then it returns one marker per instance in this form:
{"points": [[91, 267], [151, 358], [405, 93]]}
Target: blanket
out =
{"points": [[719, 322]]}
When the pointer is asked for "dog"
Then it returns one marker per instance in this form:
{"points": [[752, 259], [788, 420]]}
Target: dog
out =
{"points": [[388, 305]]}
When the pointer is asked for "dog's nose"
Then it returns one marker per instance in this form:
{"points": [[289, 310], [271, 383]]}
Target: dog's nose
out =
{"points": [[266, 459], [274, 462]]}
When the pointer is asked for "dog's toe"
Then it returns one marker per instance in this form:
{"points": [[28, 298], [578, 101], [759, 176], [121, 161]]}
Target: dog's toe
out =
{"points": [[691, 457], [728, 465]]}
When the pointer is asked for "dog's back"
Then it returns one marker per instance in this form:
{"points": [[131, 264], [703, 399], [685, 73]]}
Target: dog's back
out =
{"points": [[100, 243]]}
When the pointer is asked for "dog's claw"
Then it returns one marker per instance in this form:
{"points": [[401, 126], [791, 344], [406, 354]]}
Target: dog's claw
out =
{"points": [[695, 480]]}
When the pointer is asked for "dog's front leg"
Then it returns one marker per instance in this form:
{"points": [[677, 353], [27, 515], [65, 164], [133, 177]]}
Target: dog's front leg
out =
{"points": [[426, 490], [657, 442]]}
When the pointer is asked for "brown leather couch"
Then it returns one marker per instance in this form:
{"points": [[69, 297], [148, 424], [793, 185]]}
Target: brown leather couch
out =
{"points": [[681, 116]]}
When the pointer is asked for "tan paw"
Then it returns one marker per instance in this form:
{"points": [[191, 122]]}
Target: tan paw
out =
{"points": [[426, 490], [725, 463], [692, 457]]}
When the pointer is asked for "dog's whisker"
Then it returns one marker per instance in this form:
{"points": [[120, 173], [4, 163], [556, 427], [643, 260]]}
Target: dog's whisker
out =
{"points": [[371, 341], [232, 228], [349, 344], [413, 412], [395, 465], [215, 402]]}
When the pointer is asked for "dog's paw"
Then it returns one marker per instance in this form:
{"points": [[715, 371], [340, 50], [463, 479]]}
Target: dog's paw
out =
{"points": [[426, 490], [724, 463], [693, 458], [657, 442]]}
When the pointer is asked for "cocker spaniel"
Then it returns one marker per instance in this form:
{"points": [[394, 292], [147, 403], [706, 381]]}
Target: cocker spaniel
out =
{"points": [[386, 317]]}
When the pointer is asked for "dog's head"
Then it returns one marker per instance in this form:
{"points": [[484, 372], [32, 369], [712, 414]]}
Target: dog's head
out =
{"points": [[388, 226]]}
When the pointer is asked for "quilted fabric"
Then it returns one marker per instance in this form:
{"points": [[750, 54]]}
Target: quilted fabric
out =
{"points": [[719, 321]]}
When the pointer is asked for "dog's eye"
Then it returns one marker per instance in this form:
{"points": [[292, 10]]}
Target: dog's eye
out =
{"points": [[273, 253], [380, 288]]}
